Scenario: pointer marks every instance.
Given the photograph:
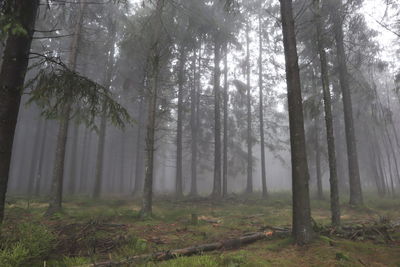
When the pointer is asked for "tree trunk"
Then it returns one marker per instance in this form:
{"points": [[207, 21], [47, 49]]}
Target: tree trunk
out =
{"points": [[55, 202], [12, 75], [34, 158], [122, 161], [193, 124], [83, 176], [320, 194], [178, 182], [249, 187], [225, 144], [147, 203], [73, 174], [40, 168], [103, 121], [261, 111], [302, 230], [333, 177], [138, 187], [217, 119], [356, 197], [150, 140]]}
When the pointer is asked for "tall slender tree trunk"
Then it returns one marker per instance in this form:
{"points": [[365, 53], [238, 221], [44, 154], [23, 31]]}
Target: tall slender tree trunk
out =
{"points": [[122, 164], [147, 203], [193, 124], [249, 187], [333, 177], [320, 194], [178, 181], [85, 161], [225, 122], [34, 159], [41, 162], [150, 140], [261, 111], [302, 230], [138, 187], [217, 118], [55, 202], [73, 172], [12, 75], [356, 197], [103, 121]]}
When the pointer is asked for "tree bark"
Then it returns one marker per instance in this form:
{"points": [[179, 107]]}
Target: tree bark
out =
{"points": [[302, 230], [217, 118], [40, 168], [193, 123], [225, 122], [178, 181], [103, 121], [55, 202], [138, 187], [147, 203], [333, 177], [356, 197], [34, 158], [320, 194], [83, 174], [249, 187], [73, 173], [261, 111], [12, 75]]}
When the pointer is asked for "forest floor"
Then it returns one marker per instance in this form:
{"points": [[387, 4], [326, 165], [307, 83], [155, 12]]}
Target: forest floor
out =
{"points": [[88, 231]]}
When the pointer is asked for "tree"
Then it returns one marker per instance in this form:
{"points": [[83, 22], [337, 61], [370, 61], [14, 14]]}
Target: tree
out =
{"points": [[249, 188], [302, 230], [103, 122], [261, 108], [354, 172], [333, 179], [55, 202], [153, 92], [12, 76], [217, 117], [181, 71]]}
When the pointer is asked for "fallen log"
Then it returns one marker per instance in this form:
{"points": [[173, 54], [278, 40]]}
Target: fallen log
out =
{"points": [[189, 251]]}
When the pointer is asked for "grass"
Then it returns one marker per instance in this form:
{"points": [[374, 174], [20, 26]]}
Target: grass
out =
{"points": [[90, 230]]}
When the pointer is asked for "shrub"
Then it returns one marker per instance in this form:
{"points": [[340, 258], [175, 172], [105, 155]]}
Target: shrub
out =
{"points": [[25, 243]]}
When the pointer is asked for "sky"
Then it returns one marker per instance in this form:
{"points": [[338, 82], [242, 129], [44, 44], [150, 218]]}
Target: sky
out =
{"points": [[374, 11]]}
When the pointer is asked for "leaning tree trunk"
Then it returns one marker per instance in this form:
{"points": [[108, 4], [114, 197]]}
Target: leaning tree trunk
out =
{"points": [[55, 202], [302, 230], [333, 178], [249, 187], [12, 75], [178, 181], [225, 142], [217, 119], [356, 197], [261, 111]]}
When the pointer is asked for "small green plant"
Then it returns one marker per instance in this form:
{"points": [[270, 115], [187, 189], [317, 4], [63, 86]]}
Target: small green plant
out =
{"points": [[28, 242]]}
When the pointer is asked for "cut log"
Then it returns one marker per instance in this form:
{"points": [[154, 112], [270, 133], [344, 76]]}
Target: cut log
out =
{"points": [[189, 251]]}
